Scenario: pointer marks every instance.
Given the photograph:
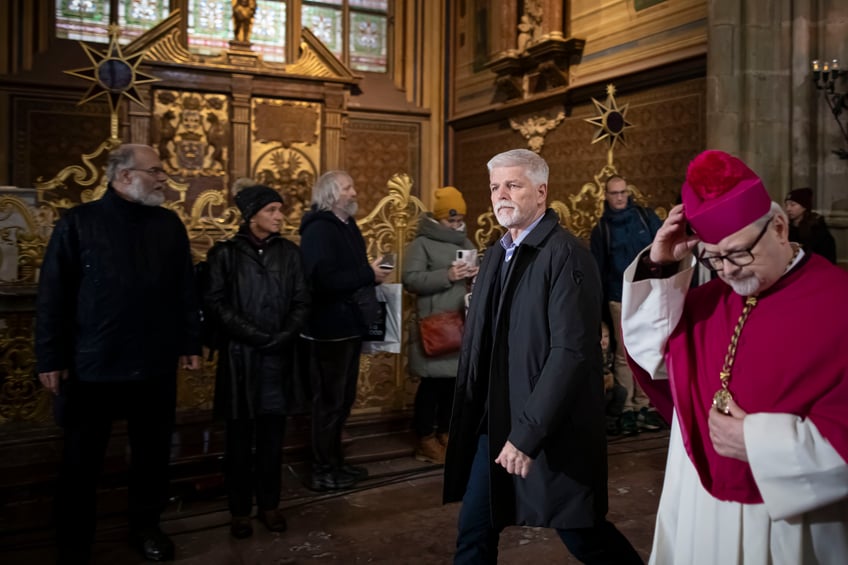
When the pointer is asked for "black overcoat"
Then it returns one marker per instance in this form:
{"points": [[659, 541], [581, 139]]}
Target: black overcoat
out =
{"points": [[533, 357], [253, 295], [116, 295]]}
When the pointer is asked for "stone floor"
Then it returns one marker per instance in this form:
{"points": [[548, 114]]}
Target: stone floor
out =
{"points": [[395, 517]]}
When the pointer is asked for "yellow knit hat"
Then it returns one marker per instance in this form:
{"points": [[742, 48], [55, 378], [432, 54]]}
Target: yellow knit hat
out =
{"points": [[447, 202]]}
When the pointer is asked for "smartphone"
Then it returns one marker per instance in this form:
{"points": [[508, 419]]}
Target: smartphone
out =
{"points": [[467, 256], [387, 263]]}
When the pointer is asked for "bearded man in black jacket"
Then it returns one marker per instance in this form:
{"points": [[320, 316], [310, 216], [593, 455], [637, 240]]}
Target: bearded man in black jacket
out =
{"points": [[116, 311], [336, 260]]}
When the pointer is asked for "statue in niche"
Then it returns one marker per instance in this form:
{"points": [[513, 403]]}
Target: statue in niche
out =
{"points": [[243, 12], [530, 24], [525, 32]]}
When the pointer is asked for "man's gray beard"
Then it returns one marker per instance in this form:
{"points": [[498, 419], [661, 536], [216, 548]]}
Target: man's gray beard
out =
{"points": [[351, 208], [137, 195], [746, 286], [506, 217]]}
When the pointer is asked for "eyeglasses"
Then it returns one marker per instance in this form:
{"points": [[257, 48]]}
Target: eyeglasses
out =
{"points": [[155, 172], [739, 258]]}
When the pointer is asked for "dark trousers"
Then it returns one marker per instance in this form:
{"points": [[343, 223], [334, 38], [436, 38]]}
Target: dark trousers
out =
{"points": [[245, 473], [333, 371], [88, 410], [477, 539], [433, 403]]}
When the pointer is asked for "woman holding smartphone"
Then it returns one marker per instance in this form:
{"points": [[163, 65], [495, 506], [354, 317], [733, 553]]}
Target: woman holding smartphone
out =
{"points": [[433, 272]]}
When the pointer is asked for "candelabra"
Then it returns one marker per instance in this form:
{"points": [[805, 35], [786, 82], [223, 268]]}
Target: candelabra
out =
{"points": [[825, 75]]}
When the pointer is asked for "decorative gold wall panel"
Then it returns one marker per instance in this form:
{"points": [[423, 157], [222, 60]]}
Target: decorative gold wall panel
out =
{"points": [[47, 132], [390, 226], [285, 153], [191, 132], [375, 149]]}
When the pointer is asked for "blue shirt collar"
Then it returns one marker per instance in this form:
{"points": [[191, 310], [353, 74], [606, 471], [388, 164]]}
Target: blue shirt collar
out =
{"points": [[509, 245]]}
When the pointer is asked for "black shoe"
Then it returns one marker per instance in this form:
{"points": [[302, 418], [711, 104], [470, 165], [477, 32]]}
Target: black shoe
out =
{"points": [[240, 527], [358, 473], [613, 427], [629, 427], [649, 420], [273, 520], [153, 544], [330, 480]]}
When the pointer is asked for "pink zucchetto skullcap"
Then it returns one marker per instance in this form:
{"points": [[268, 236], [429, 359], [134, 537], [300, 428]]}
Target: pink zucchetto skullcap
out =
{"points": [[722, 195]]}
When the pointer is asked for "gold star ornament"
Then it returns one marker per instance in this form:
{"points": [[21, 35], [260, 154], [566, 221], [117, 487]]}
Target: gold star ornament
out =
{"points": [[112, 74], [611, 121]]}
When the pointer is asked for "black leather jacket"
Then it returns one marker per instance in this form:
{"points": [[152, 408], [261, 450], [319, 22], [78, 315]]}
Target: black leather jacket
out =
{"points": [[259, 298], [116, 296]]}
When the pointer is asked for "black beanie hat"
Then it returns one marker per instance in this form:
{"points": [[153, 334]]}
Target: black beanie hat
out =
{"points": [[803, 196], [253, 198]]}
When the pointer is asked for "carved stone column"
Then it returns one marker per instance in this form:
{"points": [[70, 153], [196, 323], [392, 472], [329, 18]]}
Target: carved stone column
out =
{"points": [[334, 112], [139, 118], [503, 25], [552, 19], [748, 85], [240, 162]]}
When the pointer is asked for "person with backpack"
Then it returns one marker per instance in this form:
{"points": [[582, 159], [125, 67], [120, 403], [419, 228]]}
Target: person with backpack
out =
{"points": [[257, 297], [624, 230]]}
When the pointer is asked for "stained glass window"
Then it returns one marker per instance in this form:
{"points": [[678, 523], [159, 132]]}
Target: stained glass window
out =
{"points": [[210, 27], [84, 20], [368, 42], [379, 5], [269, 30], [137, 16], [326, 24], [88, 20], [354, 30]]}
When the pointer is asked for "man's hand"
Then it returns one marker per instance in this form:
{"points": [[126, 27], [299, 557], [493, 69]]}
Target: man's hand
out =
{"points": [[51, 379], [190, 362], [515, 462], [726, 432], [672, 244], [380, 274]]}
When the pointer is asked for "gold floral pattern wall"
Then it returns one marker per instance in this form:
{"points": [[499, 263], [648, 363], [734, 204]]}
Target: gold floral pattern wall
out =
{"points": [[285, 149]]}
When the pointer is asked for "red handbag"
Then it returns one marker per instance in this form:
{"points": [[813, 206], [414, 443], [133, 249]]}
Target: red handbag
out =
{"points": [[441, 333]]}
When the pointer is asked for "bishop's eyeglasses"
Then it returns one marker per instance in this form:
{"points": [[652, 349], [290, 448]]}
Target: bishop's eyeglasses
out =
{"points": [[740, 257]]}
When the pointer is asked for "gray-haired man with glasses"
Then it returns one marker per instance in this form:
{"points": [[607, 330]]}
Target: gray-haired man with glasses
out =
{"points": [[751, 367], [116, 313]]}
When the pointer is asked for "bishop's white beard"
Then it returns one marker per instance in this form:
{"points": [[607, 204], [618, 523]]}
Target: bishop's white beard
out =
{"points": [[745, 286]]}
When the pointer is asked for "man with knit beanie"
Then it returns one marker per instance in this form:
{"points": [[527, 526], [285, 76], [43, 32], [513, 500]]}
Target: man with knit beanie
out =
{"points": [[432, 272], [748, 368], [806, 227], [258, 299]]}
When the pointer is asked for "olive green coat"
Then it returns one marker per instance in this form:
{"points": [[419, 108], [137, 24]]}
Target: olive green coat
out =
{"points": [[425, 274]]}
